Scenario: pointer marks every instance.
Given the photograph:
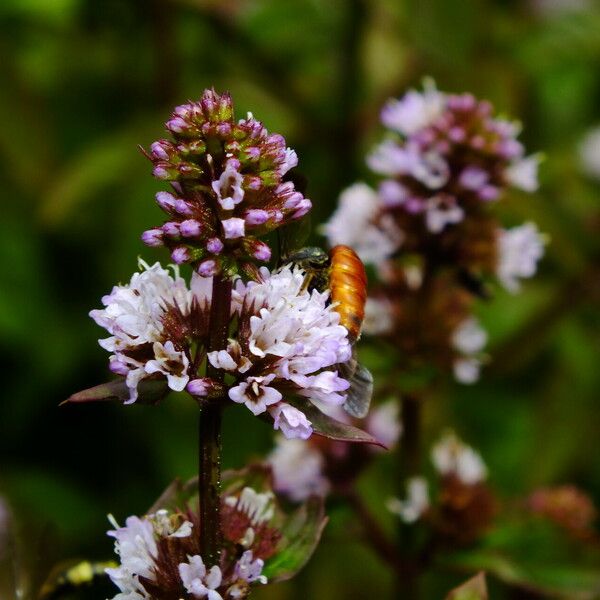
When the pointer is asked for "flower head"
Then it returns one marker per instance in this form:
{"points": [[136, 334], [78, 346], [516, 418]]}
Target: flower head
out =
{"points": [[285, 341], [160, 558], [228, 186], [450, 456], [520, 250]]}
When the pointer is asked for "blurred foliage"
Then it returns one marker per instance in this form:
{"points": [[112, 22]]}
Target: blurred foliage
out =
{"points": [[84, 82]]}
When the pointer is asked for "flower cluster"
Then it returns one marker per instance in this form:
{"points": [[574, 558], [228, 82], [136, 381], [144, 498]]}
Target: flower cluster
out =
{"points": [[228, 186], [319, 466], [463, 507], [445, 163], [159, 555], [285, 341], [568, 507]]}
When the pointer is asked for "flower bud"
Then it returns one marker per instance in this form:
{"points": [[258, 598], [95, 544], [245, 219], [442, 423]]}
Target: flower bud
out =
{"points": [[166, 201], [153, 238], [233, 228], [208, 268], [180, 255], [190, 228], [215, 246]]}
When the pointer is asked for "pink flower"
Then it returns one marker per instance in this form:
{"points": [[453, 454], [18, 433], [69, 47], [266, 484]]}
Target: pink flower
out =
{"points": [[292, 422]]}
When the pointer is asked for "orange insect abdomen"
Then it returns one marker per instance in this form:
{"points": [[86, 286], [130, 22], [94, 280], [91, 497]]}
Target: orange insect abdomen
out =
{"points": [[348, 285]]}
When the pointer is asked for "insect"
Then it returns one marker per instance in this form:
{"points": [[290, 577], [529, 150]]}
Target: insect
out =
{"points": [[343, 273]]}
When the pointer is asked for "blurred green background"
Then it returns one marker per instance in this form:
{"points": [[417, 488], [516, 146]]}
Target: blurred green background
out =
{"points": [[83, 82]]}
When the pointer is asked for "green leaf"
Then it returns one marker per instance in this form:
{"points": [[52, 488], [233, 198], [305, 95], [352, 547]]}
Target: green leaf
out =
{"points": [[474, 589], [332, 428], [150, 391], [301, 534]]}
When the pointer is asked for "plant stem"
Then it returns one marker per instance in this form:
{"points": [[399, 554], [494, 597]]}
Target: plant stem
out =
{"points": [[408, 573], [372, 530], [209, 432]]}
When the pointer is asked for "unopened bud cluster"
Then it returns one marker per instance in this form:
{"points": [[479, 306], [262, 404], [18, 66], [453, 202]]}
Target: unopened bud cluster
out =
{"points": [[228, 186]]}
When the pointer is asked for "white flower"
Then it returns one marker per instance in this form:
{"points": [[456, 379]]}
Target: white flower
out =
{"points": [[384, 424], [523, 174], [134, 316], [250, 570], [297, 469], [292, 422], [442, 210], [234, 228], [589, 153], [136, 546], [519, 249], [170, 362], [355, 223], [450, 456], [133, 313], [228, 188], [466, 370], [416, 503], [259, 507], [469, 337], [414, 111], [256, 394], [299, 329], [197, 581], [379, 317]]}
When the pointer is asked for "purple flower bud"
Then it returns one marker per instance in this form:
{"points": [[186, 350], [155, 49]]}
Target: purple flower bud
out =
{"points": [[215, 246], [183, 208], [166, 201], [261, 251], [200, 387], [160, 149], [252, 182], [190, 228], [184, 111], [256, 216], [207, 268], [510, 149], [414, 205], [171, 229], [224, 129], [293, 201], [153, 237], [233, 228], [160, 172], [177, 125], [489, 193], [473, 178], [118, 367], [253, 153], [180, 255], [302, 208], [457, 134]]}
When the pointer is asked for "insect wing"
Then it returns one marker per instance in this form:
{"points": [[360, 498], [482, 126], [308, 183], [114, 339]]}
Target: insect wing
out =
{"points": [[358, 398], [292, 237]]}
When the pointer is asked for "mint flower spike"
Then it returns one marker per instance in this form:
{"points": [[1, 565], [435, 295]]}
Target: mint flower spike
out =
{"points": [[228, 186], [159, 554], [281, 359]]}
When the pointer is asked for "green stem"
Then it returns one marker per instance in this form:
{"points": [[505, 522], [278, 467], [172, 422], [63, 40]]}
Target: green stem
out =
{"points": [[209, 432], [408, 573]]}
